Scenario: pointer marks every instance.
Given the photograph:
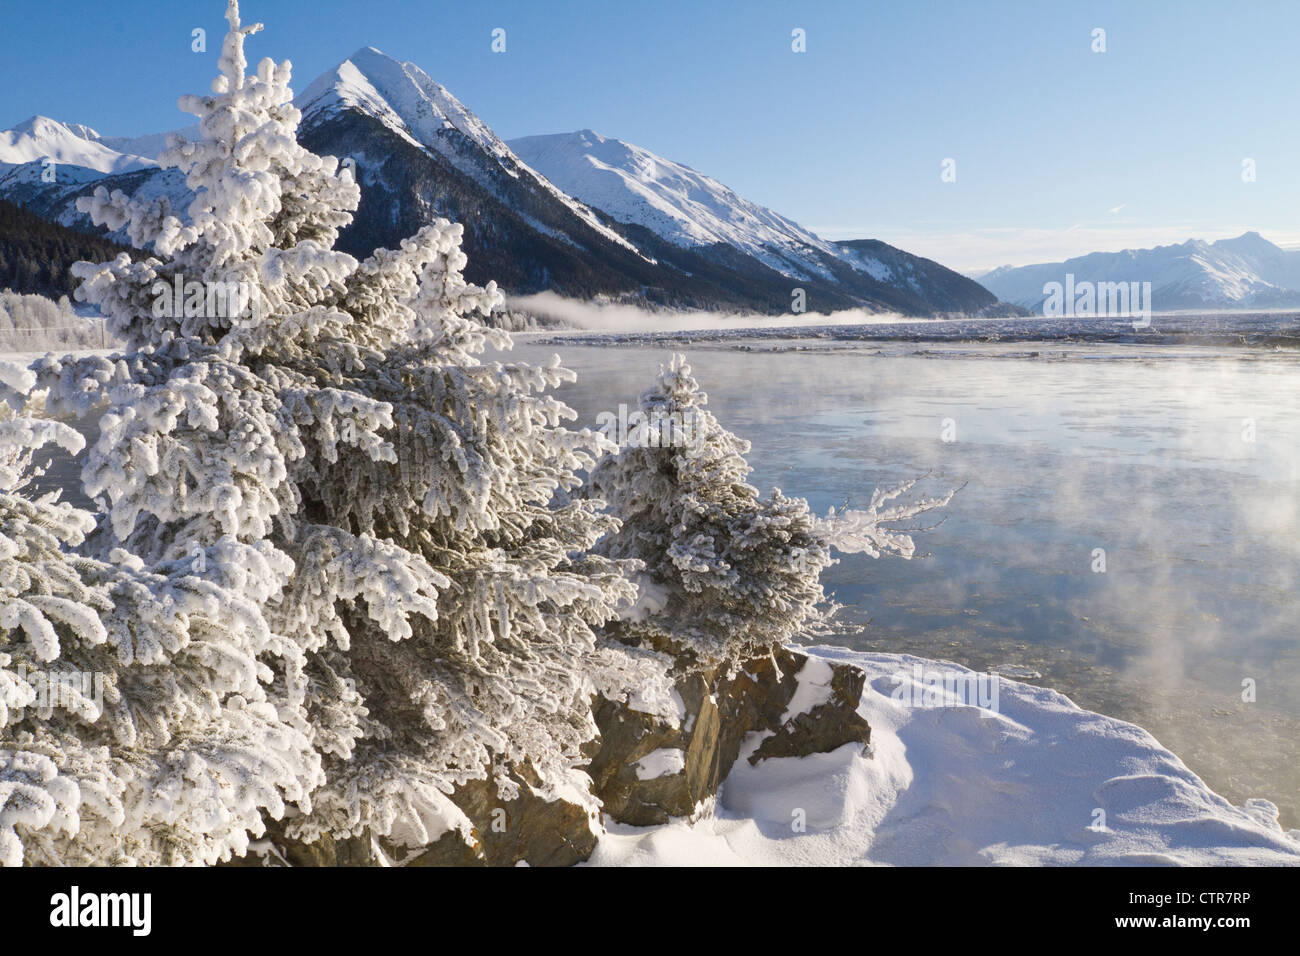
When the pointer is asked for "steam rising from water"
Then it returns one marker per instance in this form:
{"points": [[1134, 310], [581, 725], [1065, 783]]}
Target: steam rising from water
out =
{"points": [[1138, 450], [617, 317]]}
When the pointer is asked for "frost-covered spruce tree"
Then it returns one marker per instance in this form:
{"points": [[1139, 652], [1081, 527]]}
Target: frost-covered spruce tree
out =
{"points": [[343, 459], [134, 725], [728, 574]]}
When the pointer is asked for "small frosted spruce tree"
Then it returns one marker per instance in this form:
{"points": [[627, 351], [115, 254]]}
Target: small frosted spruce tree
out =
{"points": [[728, 574]]}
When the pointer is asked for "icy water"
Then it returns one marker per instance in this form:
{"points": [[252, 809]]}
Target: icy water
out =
{"points": [[1180, 461], [1068, 439]]}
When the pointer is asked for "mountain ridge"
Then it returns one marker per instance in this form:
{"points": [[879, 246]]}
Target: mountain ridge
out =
{"points": [[1246, 271], [420, 153], [40, 138]]}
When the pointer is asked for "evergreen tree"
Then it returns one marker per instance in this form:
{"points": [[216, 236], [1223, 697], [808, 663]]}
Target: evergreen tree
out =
{"points": [[728, 574], [36, 256], [344, 561], [134, 722], [342, 460]]}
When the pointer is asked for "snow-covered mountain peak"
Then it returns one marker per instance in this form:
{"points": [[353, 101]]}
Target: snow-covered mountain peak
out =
{"points": [[400, 94], [410, 103], [695, 212], [41, 138], [1249, 243], [39, 127], [420, 153]]}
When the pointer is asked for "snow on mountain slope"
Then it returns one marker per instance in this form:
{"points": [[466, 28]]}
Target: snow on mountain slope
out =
{"points": [[57, 201], [41, 138], [83, 159], [408, 101], [149, 145], [1244, 272], [692, 211], [159, 183], [634, 185]]}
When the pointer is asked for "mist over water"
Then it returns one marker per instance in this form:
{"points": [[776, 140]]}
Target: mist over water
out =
{"points": [[586, 317], [1063, 447], [1143, 451]]}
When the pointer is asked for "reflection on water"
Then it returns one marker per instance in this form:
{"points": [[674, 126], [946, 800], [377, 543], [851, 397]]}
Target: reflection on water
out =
{"points": [[1143, 451]]}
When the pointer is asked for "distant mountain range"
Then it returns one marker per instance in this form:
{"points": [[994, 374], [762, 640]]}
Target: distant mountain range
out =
{"points": [[1241, 273], [579, 214], [41, 138]]}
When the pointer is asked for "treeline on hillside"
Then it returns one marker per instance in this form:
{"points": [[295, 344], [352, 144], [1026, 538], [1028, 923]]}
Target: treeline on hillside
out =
{"points": [[36, 255]]}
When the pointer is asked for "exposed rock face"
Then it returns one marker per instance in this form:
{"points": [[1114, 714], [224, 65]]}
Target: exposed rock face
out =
{"points": [[644, 770], [529, 828], [721, 713], [275, 849]]}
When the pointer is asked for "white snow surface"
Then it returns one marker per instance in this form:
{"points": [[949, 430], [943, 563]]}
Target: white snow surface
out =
{"points": [[954, 786], [686, 207], [664, 762], [41, 138], [150, 145], [812, 688]]}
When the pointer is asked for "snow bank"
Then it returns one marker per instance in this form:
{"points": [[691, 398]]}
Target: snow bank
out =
{"points": [[35, 324], [957, 786]]}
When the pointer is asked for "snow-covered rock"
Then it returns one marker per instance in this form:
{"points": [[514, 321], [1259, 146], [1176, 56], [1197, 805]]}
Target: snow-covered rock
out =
{"points": [[648, 768], [1035, 781]]}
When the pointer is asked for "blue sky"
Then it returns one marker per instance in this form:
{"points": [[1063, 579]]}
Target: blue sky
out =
{"points": [[1059, 150]]}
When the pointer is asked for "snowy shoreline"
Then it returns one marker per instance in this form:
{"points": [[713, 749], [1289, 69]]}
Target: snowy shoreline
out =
{"points": [[960, 786], [957, 785], [1265, 332]]}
